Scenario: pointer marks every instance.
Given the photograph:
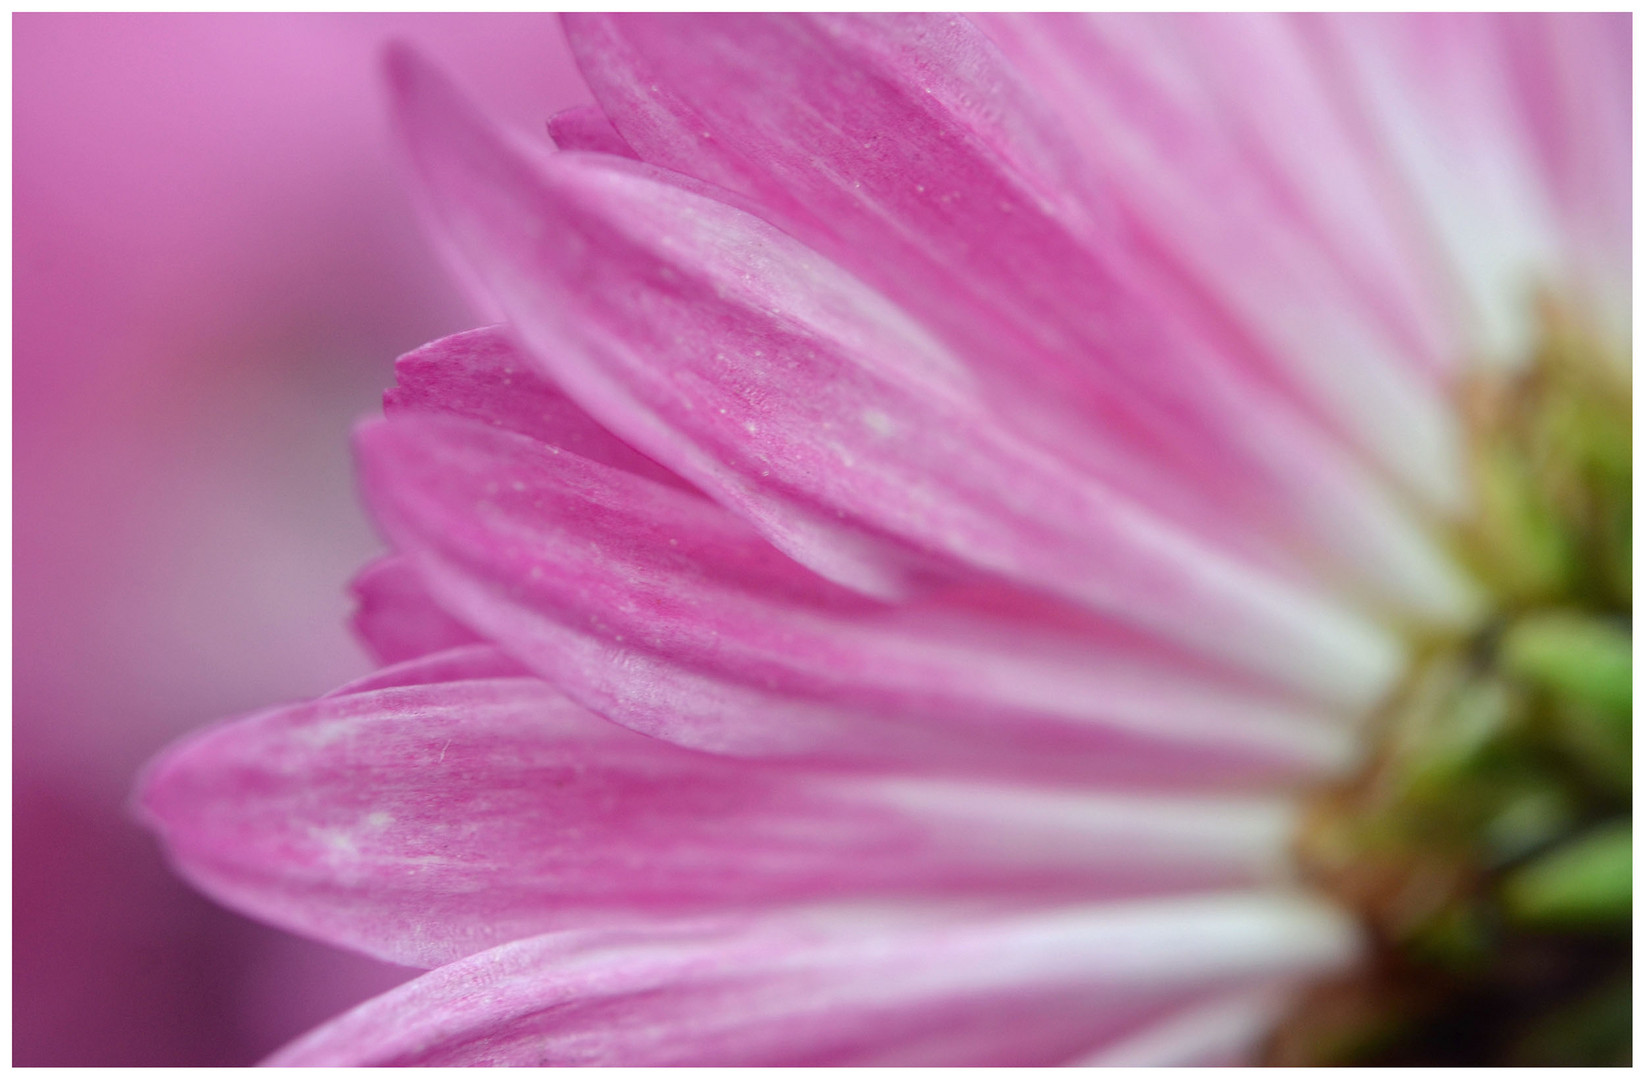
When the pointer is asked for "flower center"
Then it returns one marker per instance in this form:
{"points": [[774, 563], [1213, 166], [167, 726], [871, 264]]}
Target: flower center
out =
{"points": [[1488, 843]]}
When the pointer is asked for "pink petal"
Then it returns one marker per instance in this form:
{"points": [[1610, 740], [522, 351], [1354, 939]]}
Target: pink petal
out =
{"points": [[1229, 1029], [585, 127], [976, 215], [910, 183], [663, 612], [424, 823], [482, 375], [396, 618], [1574, 77], [460, 664], [836, 988], [903, 149], [1437, 94], [1217, 134], [801, 400]]}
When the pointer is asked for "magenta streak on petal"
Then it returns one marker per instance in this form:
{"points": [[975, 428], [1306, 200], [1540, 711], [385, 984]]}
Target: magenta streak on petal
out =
{"points": [[797, 989], [424, 823], [906, 149], [658, 609], [585, 127], [395, 617], [800, 399]]}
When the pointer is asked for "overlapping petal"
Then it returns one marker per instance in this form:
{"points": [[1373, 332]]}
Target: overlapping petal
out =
{"points": [[462, 663], [662, 611], [797, 397], [586, 127], [1300, 249], [396, 618], [425, 822], [978, 216], [482, 375], [838, 988], [979, 452]]}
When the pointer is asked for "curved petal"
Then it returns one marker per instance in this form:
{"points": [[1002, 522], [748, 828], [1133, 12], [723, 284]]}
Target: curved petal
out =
{"points": [[1029, 989], [663, 612], [482, 375], [461, 663], [423, 823], [1133, 713], [802, 400], [907, 150], [898, 146], [396, 618], [585, 127]]}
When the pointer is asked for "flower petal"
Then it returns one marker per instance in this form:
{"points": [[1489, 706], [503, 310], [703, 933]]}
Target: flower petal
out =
{"points": [[663, 612], [1226, 1030], [423, 823], [798, 398], [1296, 245], [585, 127], [813, 119], [1018, 990], [1438, 93], [395, 616], [907, 150], [1574, 77], [459, 664], [482, 375]]}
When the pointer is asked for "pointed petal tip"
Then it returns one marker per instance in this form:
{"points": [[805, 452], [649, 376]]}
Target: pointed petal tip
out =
{"points": [[437, 124], [411, 77], [416, 88], [586, 127], [405, 68], [396, 618], [366, 434], [159, 798]]}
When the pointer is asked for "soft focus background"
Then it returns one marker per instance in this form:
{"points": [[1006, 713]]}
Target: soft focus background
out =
{"points": [[214, 265]]}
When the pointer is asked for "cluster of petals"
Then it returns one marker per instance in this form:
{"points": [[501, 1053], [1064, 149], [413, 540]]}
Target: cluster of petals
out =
{"points": [[941, 492]]}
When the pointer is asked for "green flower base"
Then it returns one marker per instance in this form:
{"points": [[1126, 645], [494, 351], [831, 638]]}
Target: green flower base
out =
{"points": [[1489, 844]]}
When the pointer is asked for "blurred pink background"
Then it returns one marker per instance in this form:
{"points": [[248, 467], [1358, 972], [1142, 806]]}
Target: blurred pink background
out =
{"points": [[214, 265]]}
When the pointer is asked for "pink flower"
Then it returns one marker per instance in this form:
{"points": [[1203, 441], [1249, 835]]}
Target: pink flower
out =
{"points": [[1000, 467]]}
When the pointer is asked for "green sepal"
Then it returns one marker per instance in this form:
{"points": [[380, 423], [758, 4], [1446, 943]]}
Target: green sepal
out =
{"points": [[1600, 742], [1527, 819], [1450, 740], [1572, 656], [1586, 883]]}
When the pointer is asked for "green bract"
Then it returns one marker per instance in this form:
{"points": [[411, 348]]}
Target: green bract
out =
{"points": [[1490, 845]]}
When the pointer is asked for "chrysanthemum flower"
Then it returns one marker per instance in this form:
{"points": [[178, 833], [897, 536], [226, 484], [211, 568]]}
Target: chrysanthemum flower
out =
{"points": [[950, 501]]}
